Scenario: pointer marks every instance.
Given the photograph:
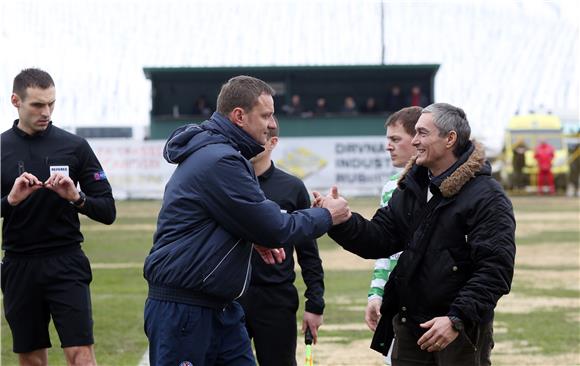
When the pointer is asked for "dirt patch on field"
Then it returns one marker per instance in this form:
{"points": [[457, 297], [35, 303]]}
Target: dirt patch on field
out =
{"points": [[548, 255], [331, 351], [559, 217], [532, 223], [543, 279], [521, 353], [340, 259], [520, 304]]}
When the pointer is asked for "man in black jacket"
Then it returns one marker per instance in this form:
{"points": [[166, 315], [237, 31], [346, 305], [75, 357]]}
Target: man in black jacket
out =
{"points": [[44, 271], [271, 302], [456, 227]]}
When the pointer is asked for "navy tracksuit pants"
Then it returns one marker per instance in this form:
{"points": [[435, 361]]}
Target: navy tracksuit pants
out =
{"points": [[195, 335]]}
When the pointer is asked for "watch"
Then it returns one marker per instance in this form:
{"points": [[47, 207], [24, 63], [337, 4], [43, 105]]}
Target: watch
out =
{"points": [[456, 323], [82, 198]]}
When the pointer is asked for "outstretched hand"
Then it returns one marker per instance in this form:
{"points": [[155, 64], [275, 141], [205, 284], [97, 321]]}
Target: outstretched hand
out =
{"points": [[335, 204], [271, 255]]}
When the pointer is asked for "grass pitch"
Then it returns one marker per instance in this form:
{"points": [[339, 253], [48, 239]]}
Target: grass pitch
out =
{"points": [[537, 324]]}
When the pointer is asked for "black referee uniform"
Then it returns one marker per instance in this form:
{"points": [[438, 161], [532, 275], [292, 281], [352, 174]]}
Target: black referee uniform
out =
{"points": [[271, 301], [44, 271]]}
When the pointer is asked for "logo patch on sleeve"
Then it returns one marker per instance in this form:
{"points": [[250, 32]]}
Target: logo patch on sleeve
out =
{"points": [[100, 175]]}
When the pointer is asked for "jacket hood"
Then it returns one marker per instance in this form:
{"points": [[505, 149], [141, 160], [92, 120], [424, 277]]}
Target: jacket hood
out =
{"points": [[471, 163], [187, 139]]}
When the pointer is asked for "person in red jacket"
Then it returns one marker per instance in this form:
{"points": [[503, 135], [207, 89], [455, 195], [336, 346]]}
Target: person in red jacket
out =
{"points": [[544, 155]]}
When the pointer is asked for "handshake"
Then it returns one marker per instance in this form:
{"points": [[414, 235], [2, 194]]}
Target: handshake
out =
{"points": [[335, 204]]}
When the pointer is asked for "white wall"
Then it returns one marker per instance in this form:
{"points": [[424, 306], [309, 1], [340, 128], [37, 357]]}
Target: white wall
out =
{"points": [[496, 56]]}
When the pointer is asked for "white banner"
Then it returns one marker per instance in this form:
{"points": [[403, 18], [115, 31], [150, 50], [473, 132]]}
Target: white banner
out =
{"points": [[135, 169], [359, 166]]}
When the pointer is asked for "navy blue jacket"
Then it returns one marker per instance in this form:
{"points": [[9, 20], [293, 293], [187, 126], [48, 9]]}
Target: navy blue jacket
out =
{"points": [[213, 210]]}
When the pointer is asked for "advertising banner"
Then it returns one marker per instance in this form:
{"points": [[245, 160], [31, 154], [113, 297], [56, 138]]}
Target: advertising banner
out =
{"points": [[359, 166]]}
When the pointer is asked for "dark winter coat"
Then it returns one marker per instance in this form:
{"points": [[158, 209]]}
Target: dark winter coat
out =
{"points": [[458, 258]]}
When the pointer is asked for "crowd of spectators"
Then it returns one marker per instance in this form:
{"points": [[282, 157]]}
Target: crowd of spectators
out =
{"points": [[353, 105]]}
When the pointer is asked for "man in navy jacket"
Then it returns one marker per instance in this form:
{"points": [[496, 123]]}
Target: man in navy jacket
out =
{"points": [[213, 210]]}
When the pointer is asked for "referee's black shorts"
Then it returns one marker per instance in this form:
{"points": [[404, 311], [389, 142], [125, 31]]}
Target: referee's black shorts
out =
{"points": [[36, 288]]}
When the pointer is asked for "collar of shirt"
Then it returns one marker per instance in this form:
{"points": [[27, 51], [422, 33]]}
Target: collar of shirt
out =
{"points": [[21, 133]]}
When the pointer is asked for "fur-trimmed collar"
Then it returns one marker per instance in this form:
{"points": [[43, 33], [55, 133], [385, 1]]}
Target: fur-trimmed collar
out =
{"points": [[463, 174]]}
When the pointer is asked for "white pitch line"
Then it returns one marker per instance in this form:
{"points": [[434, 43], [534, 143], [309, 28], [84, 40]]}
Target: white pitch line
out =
{"points": [[145, 359]]}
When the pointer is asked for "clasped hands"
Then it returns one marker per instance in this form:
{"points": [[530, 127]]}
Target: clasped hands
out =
{"points": [[334, 203], [270, 255], [27, 183]]}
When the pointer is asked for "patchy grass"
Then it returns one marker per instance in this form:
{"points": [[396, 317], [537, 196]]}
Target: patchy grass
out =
{"points": [[538, 324]]}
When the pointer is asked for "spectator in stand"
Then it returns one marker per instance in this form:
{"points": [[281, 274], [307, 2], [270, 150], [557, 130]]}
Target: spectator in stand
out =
{"points": [[544, 155], [320, 109], [295, 108], [417, 98], [395, 100], [349, 107], [201, 107], [370, 106]]}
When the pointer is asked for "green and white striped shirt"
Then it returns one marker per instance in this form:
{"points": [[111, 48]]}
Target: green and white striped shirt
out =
{"points": [[384, 266]]}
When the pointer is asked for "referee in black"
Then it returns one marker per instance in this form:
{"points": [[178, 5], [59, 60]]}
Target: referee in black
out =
{"points": [[271, 302], [45, 274]]}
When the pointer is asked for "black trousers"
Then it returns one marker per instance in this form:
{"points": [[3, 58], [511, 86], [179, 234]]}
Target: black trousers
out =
{"points": [[271, 323], [473, 350]]}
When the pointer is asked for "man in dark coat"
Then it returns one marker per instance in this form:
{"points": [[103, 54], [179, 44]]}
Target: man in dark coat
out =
{"points": [[456, 227]]}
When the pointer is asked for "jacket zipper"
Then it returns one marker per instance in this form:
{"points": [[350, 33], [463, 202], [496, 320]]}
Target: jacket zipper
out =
{"points": [[248, 268], [220, 262]]}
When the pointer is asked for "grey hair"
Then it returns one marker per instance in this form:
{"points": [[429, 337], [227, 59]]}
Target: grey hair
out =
{"points": [[449, 118]]}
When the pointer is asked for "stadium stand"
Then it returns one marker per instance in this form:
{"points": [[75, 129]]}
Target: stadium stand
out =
{"points": [[496, 57]]}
